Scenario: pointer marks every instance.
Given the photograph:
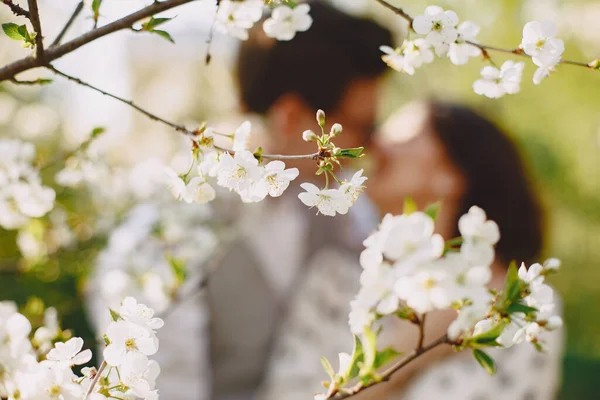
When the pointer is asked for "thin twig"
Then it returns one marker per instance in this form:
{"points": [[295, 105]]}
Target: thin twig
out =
{"points": [[387, 374], [96, 379], [211, 35], [34, 17], [180, 128], [483, 47], [421, 331], [16, 9], [29, 83], [27, 63], [68, 24]]}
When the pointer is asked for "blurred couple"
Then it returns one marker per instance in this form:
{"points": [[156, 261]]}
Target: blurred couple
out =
{"points": [[280, 299]]}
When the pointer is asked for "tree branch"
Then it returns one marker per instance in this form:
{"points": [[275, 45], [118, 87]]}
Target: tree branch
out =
{"points": [[25, 64], [68, 24], [387, 374], [96, 379], [483, 47], [16, 9], [421, 332], [34, 17], [180, 128]]}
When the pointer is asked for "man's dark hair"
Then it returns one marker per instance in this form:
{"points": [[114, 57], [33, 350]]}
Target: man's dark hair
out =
{"points": [[317, 64]]}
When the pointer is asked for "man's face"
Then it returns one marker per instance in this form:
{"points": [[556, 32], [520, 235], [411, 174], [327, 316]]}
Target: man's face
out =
{"points": [[357, 113]]}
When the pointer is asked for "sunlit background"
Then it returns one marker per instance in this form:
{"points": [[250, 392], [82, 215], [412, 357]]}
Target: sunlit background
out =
{"points": [[557, 126]]}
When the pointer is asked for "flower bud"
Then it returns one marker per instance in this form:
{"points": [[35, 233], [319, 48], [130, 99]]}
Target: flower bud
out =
{"points": [[336, 129], [321, 118], [309, 136], [554, 322]]}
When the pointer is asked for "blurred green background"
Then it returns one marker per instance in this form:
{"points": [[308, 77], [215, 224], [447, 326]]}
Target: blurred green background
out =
{"points": [[556, 124]]}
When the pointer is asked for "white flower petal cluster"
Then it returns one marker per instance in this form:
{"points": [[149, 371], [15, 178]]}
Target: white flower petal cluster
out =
{"points": [[22, 195], [439, 26], [235, 18], [138, 259], [411, 55], [540, 42], [495, 83], [285, 21], [333, 201], [460, 51], [241, 173]]}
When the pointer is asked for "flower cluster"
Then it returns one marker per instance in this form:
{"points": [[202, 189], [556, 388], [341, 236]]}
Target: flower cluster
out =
{"points": [[540, 42], [443, 34], [39, 367], [151, 254], [246, 174], [235, 18], [409, 270], [22, 195]]}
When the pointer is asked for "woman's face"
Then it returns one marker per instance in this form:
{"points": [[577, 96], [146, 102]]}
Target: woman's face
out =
{"points": [[412, 162]]}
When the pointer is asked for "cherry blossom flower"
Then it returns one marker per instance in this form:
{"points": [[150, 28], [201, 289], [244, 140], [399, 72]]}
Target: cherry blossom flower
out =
{"points": [[546, 64], [286, 21], [238, 172], [235, 18], [139, 314], [426, 290], [495, 82], [411, 55], [125, 338], [460, 51], [539, 39], [277, 178], [439, 26], [354, 187], [69, 353], [139, 374], [241, 135], [328, 201], [479, 236]]}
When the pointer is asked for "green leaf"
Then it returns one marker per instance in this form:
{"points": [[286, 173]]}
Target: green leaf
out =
{"points": [[154, 22], [488, 339], [521, 308], [512, 288], [178, 268], [485, 361], [385, 356], [106, 339], [96, 7], [370, 352], [409, 206], [97, 131], [114, 315], [12, 31], [42, 81], [432, 210], [357, 357], [356, 152], [164, 34], [328, 368], [258, 154]]}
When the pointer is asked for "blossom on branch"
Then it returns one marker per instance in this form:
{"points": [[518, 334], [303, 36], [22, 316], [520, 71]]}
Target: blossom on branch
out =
{"points": [[285, 21], [439, 26], [495, 83]]}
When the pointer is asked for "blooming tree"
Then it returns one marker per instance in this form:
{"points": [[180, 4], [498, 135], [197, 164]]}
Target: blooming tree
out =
{"points": [[408, 270]]}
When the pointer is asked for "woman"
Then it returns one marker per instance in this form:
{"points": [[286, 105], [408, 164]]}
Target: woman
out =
{"points": [[442, 152]]}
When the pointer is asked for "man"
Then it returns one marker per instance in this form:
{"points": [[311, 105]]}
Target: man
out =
{"points": [[281, 295]]}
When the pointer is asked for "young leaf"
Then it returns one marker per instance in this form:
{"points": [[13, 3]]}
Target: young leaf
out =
{"points": [[485, 361], [488, 339], [357, 357], [384, 357], [512, 288], [409, 206], [114, 315], [12, 31], [164, 34], [370, 352], [153, 23], [97, 131], [178, 268], [96, 7], [520, 308], [356, 152], [432, 210], [328, 368]]}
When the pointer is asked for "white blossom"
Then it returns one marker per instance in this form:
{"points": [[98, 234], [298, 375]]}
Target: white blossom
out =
{"points": [[277, 178], [139, 314], [546, 64], [239, 172], [286, 21], [126, 337], [539, 39], [411, 55], [427, 290], [328, 201], [439, 26], [70, 353], [241, 135], [495, 82], [139, 374], [460, 51], [234, 18], [479, 236], [354, 187]]}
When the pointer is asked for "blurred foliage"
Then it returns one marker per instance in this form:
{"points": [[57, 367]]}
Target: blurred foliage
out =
{"points": [[556, 124]]}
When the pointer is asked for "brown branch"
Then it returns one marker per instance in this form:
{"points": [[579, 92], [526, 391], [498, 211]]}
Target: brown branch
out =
{"points": [[25, 64], [483, 47], [96, 379], [34, 17], [72, 19], [180, 128], [387, 374], [16, 9], [421, 332]]}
